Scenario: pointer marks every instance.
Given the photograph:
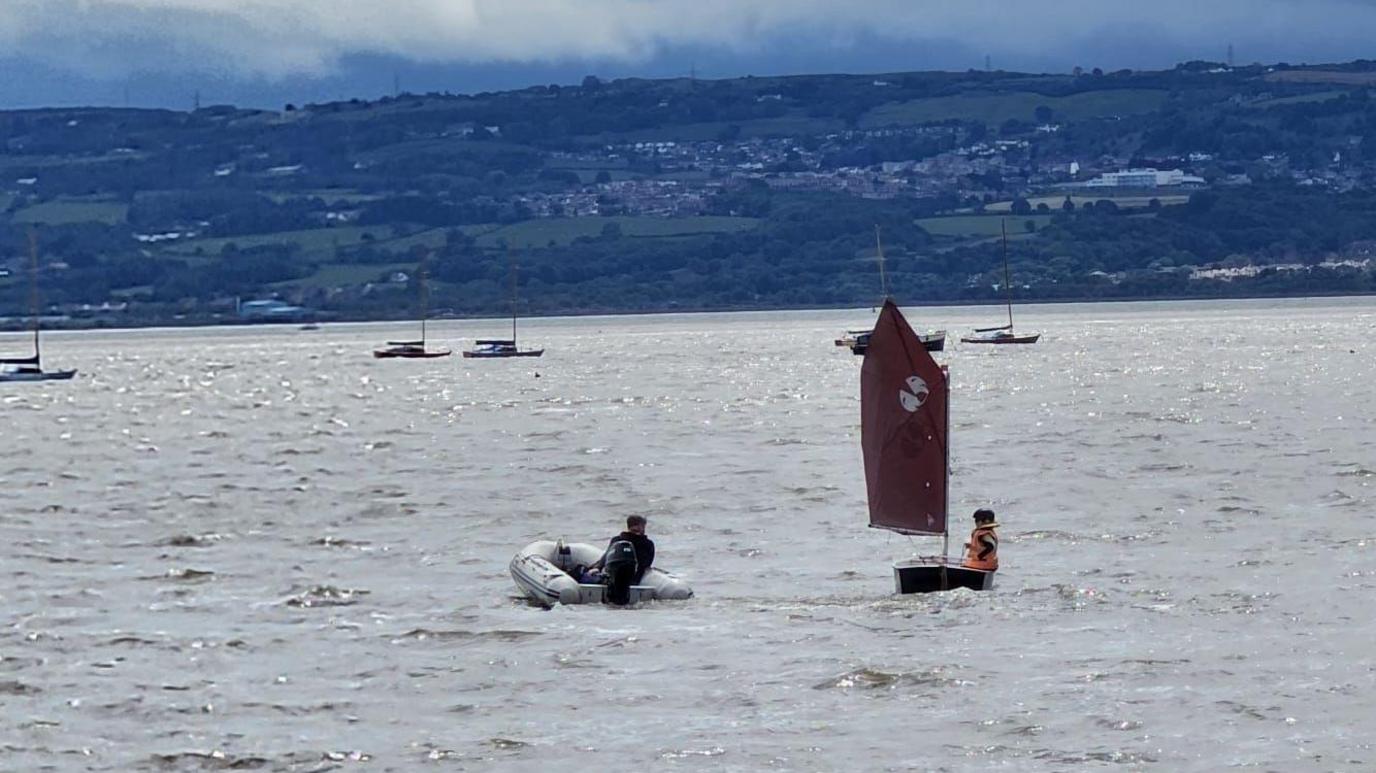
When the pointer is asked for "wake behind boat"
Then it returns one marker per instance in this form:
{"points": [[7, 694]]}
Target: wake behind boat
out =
{"points": [[545, 572], [905, 437]]}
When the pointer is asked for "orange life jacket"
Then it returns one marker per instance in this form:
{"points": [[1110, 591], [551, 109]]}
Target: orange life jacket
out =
{"points": [[983, 550]]}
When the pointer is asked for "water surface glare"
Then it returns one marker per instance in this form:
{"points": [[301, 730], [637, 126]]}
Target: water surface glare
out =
{"points": [[260, 548]]}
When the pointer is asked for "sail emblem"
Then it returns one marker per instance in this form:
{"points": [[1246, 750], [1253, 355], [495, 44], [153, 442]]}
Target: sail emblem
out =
{"points": [[915, 395]]}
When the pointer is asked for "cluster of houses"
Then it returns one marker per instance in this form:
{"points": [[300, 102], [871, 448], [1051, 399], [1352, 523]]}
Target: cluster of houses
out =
{"points": [[687, 173], [780, 163]]}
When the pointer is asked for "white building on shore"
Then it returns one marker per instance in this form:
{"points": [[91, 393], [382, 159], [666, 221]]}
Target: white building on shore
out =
{"points": [[1146, 178]]}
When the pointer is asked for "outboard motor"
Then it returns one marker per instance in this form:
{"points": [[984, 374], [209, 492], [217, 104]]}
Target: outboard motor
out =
{"points": [[619, 566]]}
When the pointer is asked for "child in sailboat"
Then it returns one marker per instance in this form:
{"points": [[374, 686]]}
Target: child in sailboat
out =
{"points": [[982, 551]]}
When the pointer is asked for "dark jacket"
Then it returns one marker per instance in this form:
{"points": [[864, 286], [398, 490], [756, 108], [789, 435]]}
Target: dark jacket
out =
{"points": [[644, 552]]}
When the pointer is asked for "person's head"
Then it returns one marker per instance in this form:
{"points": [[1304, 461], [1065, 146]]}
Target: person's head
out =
{"points": [[984, 515], [635, 524]]}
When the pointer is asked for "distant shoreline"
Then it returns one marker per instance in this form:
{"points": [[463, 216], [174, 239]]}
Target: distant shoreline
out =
{"points": [[10, 328]]}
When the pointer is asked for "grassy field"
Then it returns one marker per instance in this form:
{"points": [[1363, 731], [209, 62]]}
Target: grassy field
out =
{"points": [[430, 237], [130, 292], [538, 233], [7, 161], [63, 212], [329, 196], [1323, 76], [979, 225], [589, 176], [588, 169], [321, 242], [1318, 96], [704, 132], [438, 146], [1021, 105], [791, 125], [579, 164], [340, 274], [685, 175], [1135, 201], [316, 240]]}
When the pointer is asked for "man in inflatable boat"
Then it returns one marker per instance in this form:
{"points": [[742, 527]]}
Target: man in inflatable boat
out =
{"points": [[629, 555]]}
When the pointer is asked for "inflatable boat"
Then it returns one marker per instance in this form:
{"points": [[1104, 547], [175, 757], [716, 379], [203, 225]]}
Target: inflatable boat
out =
{"points": [[544, 571]]}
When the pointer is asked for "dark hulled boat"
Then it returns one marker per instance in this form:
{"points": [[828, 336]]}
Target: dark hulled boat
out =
{"points": [[15, 369], [410, 350], [499, 347], [1003, 334], [414, 350], [493, 348], [859, 340]]}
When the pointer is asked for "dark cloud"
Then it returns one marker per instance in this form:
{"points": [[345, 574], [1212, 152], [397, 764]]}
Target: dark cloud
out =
{"points": [[270, 51]]}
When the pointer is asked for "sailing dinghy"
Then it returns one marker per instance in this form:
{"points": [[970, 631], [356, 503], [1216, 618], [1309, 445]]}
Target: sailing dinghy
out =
{"points": [[905, 435]]}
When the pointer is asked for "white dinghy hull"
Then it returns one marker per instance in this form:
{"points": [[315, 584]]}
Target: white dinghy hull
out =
{"points": [[541, 568]]}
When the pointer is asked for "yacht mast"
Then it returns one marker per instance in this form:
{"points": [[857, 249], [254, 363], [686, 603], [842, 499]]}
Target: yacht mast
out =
{"points": [[33, 293], [883, 275], [1007, 287], [424, 300]]}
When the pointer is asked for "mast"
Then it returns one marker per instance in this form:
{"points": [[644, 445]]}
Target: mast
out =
{"points": [[513, 302], [33, 293], [1007, 287], [946, 522], [424, 300], [883, 276]]}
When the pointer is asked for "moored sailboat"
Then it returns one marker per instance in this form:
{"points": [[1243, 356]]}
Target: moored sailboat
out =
{"points": [[31, 368], [859, 340], [488, 348], [1003, 334], [905, 438], [414, 349]]}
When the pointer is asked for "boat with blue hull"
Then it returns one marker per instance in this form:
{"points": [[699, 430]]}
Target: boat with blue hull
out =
{"points": [[493, 348]]}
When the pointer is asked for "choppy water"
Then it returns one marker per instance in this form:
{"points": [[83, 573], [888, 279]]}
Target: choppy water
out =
{"points": [[262, 549]]}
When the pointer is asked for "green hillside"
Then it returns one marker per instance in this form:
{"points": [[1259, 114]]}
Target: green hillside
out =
{"points": [[757, 192]]}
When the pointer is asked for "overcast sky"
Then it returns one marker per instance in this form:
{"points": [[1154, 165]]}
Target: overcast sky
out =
{"points": [[267, 52]]}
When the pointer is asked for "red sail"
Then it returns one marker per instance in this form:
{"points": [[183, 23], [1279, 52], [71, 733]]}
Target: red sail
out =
{"points": [[904, 398]]}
